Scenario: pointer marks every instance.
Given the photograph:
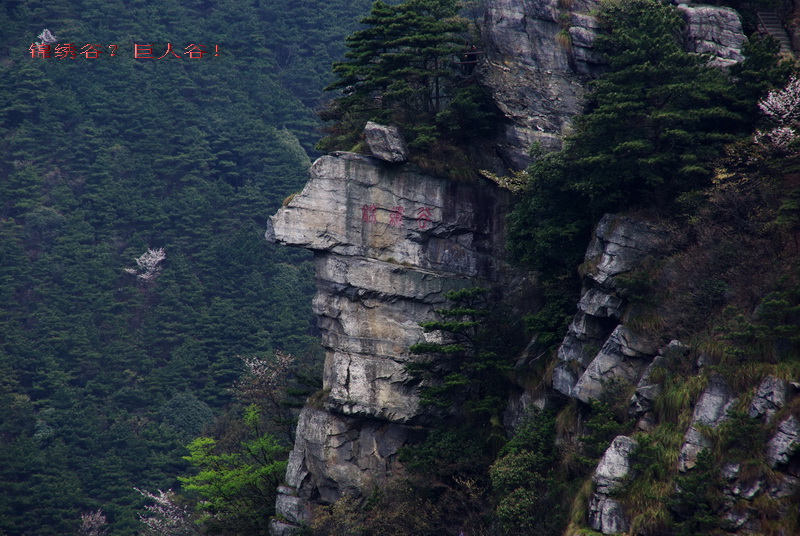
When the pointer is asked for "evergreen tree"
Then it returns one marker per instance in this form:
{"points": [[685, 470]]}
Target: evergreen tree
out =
{"points": [[525, 481], [656, 120], [468, 370], [102, 160], [399, 69], [653, 126]]}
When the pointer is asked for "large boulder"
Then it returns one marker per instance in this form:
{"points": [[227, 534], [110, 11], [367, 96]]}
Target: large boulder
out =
{"points": [[386, 142]]}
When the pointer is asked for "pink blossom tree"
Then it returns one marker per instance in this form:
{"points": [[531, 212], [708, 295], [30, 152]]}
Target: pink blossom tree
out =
{"points": [[781, 108]]}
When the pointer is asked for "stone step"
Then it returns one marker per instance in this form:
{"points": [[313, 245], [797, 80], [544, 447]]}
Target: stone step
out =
{"points": [[771, 24]]}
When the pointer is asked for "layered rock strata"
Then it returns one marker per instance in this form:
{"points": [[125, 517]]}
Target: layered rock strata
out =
{"points": [[597, 348], [389, 241]]}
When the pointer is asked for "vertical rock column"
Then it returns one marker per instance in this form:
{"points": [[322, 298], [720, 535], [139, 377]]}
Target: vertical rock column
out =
{"points": [[389, 241]]}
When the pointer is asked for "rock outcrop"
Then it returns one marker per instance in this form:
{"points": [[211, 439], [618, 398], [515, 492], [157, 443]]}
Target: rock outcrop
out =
{"points": [[714, 31], [785, 443], [537, 83], [643, 400], [710, 411], [771, 396], [596, 349], [606, 514], [540, 55], [389, 241]]}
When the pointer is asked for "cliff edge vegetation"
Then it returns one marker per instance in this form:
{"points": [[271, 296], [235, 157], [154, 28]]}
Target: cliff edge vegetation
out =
{"points": [[664, 428]]}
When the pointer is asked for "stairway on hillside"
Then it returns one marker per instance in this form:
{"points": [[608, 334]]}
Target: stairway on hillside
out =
{"points": [[768, 22]]}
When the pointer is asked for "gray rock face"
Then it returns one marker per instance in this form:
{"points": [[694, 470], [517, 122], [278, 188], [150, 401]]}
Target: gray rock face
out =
{"points": [[623, 357], [592, 351], [538, 78], [389, 241], [336, 455], [647, 391], [606, 514], [784, 444], [280, 528], [537, 83], [710, 411], [715, 31], [386, 142], [597, 303], [619, 245], [771, 396], [643, 399], [356, 206]]}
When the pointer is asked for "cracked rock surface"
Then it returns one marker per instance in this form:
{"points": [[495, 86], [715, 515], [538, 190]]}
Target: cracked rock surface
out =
{"points": [[596, 347], [389, 242], [606, 514]]}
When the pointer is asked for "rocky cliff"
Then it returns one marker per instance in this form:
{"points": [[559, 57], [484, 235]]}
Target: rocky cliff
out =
{"points": [[606, 347], [389, 242], [540, 57]]}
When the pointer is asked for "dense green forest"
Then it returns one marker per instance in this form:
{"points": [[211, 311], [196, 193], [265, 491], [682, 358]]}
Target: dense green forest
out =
{"points": [[109, 367]]}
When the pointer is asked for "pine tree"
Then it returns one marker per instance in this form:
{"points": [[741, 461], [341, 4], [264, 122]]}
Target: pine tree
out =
{"points": [[399, 68], [656, 119], [653, 126]]}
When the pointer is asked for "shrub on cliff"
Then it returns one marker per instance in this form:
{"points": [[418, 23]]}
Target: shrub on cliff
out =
{"points": [[525, 481]]}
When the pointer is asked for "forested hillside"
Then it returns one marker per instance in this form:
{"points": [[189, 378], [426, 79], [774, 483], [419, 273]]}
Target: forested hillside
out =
{"points": [[108, 368]]}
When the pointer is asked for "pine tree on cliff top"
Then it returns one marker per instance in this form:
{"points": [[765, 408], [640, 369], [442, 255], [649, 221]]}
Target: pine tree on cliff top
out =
{"points": [[399, 68], [653, 126]]}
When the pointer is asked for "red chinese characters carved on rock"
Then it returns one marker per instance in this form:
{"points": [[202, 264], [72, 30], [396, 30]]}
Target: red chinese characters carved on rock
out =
{"points": [[396, 216], [423, 217], [369, 214]]}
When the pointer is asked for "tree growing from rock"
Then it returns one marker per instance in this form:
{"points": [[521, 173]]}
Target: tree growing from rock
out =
{"points": [[654, 124], [399, 69]]}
